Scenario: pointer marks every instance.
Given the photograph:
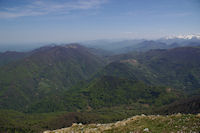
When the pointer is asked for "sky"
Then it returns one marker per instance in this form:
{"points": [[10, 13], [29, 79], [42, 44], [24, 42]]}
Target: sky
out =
{"points": [[60, 21]]}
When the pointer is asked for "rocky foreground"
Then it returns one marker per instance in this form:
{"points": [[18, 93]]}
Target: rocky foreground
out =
{"points": [[177, 123]]}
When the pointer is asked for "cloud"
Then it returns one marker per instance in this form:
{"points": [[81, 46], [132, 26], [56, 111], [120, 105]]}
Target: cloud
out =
{"points": [[42, 7]]}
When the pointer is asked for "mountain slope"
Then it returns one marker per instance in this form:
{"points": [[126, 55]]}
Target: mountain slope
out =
{"points": [[47, 71], [109, 91], [177, 68], [187, 105]]}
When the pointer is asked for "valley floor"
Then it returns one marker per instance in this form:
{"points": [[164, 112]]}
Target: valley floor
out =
{"points": [[179, 123]]}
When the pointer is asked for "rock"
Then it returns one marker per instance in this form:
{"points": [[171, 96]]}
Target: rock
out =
{"points": [[47, 131], [80, 124], [146, 130], [74, 124], [179, 114], [120, 123], [143, 115], [98, 125]]}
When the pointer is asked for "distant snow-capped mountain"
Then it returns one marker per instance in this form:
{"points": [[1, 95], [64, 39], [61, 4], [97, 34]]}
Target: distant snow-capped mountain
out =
{"points": [[191, 36]]}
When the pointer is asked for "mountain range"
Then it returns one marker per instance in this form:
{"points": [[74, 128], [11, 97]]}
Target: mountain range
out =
{"points": [[149, 77], [142, 45]]}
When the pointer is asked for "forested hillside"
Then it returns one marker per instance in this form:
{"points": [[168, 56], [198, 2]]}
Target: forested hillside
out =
{"points": [[55, 82]]}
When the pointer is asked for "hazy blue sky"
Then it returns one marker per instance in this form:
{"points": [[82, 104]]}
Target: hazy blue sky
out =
{"points": [[29, 21]]}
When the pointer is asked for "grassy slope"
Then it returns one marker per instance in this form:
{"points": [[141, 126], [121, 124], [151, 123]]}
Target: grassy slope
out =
{"points": [[13, 121], [155, 124]]}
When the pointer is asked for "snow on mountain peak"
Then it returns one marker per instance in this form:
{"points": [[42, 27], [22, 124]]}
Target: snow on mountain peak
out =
{"points": [[191, 36]]}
